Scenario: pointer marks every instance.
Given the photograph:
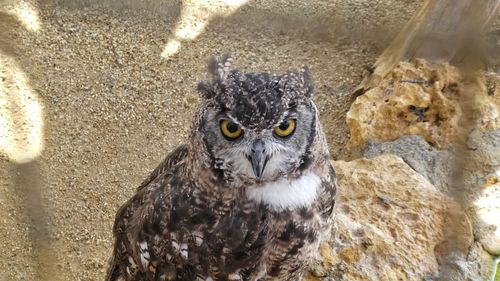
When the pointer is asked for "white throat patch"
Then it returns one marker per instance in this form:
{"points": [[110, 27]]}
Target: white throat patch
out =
{"points": [[285, 194]]}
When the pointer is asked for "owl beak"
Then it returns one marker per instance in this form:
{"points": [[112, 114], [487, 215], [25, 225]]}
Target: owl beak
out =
{"points": [[258, 158]]}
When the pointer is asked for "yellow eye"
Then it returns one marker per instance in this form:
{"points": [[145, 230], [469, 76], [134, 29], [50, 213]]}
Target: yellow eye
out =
{"points": [[230, 129], [285, 129]]}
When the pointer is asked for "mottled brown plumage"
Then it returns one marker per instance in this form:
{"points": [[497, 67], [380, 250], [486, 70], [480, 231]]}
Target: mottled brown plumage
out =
{"points": [[252, 203]]}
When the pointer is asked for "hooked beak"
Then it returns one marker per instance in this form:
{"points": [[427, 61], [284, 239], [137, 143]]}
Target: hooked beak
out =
{"points": [[258, 158]]}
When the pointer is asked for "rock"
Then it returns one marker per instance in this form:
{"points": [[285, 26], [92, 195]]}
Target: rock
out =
{"points": [[489, 104], [476, 180], [428, 161], [393, 224], [483, 159], [437, 102], [481, 178], [448, 109], [486, 217], [478, 265]]}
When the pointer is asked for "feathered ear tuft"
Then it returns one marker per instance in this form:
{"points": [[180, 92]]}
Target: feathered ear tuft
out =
{"points": [[297, 81], [218, 70], [206, 90], [307, 81]]}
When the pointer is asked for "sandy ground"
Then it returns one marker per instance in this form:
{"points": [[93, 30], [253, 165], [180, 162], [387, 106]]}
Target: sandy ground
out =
{"points": [[112, 107]]}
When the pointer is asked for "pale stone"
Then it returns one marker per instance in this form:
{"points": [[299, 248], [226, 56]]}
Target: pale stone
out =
{"points": [[470, 172], [437, 102], [485, 214], [480, 177], [432, 163], [393, 224]]}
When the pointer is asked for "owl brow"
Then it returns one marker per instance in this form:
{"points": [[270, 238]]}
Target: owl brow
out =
{"points": [[289, 114], [224, 114]]}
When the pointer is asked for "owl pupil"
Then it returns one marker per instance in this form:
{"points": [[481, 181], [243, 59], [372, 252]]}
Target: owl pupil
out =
{"points": [[232, 127], [283, 126]]}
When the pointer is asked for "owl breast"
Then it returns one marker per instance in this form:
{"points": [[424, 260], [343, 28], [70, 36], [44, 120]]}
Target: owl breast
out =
{"points": [[286, 194]]}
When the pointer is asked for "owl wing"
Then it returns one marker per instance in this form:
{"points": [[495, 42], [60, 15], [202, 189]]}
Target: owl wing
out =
{"points": [[174, 157], [131, 256], [138, 215], [328, 196], [164, 232]]}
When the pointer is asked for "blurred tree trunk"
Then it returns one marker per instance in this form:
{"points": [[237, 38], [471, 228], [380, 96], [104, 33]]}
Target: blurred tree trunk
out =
{"points": [[442, 31]]}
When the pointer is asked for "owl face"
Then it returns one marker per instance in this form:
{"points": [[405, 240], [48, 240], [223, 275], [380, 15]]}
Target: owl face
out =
{"points": [[256, 126]]}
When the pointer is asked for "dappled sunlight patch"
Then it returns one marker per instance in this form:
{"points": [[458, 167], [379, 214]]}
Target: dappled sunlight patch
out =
{"points": [[26, 12], [21, 124], [195, 15], [171, 48]]}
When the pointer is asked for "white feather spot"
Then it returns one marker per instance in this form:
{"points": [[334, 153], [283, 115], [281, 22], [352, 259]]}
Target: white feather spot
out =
{"points": [[157, 238], [144, 254], [234, 277], [145, 260], [198, 238], [132, 263], [175, 246], [285, 194], [184, 251]]}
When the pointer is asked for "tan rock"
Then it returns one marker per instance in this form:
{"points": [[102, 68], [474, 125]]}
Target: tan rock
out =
{"points": [[470, 172], [485, 212], [490, 105], [392, 224], [437, 102], [478, 265], [479, 164]]}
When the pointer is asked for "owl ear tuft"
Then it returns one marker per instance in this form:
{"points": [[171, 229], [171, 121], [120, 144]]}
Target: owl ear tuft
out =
{"points": [[307, 81], [218, 70], [220, 67], [298, 81], [206, 90]]}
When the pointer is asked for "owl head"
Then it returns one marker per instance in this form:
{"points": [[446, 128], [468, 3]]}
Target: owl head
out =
{"points": [[257, 127]]}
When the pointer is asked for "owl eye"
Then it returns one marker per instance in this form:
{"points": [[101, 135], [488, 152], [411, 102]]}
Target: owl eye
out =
{"points": [[230, 130], [285, 129]]}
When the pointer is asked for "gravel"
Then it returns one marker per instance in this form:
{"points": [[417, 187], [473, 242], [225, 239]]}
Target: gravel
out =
{"points": [[113, 107]]}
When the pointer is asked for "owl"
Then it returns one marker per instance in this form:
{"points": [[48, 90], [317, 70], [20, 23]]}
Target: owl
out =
{"points": [[249, 196]]}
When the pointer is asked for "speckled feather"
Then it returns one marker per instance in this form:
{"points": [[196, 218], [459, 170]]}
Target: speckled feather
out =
{"points": [[192, 218]]}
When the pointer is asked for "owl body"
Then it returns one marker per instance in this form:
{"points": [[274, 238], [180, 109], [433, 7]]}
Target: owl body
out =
{"points": [[249, 197]]}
